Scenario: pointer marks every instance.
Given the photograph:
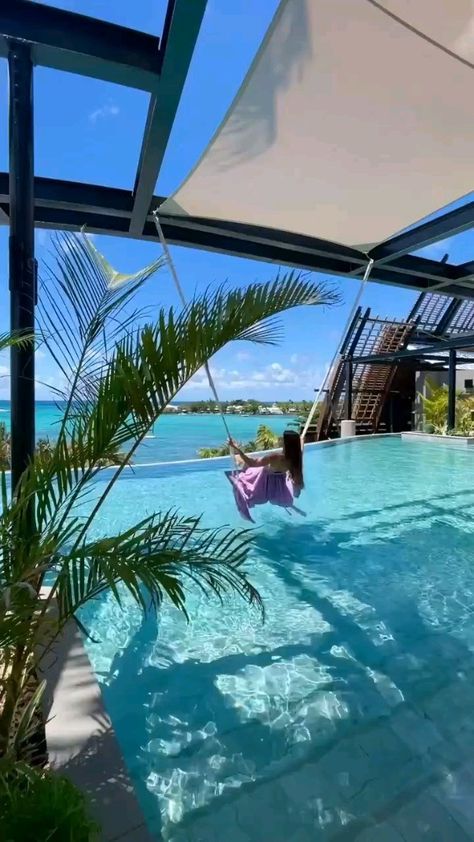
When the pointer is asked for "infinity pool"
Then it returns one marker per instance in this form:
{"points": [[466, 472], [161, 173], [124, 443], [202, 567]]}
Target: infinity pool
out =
{"points": [[350, 713]]}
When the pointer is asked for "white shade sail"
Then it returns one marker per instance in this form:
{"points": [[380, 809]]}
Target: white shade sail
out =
{"points": [[355, 120]]}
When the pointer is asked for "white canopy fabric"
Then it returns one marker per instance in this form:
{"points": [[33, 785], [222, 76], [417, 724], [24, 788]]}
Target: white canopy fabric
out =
{"points": [[355, 121]]}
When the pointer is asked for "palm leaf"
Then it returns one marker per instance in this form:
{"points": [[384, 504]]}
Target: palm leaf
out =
{"points": [[151, 364], [82, 312], [151, 560]]}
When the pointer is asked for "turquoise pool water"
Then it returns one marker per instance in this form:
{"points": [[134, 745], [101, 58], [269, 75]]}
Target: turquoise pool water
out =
{"points": [[359, 685]]}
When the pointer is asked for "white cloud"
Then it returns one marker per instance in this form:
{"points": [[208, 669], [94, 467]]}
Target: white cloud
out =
{"points": [[242, 356], [274, 378], [108, 110], [299, 359]]}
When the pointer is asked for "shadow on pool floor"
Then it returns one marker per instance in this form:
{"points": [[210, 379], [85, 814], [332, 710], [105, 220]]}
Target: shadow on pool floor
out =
{"points": [[394, 765]]}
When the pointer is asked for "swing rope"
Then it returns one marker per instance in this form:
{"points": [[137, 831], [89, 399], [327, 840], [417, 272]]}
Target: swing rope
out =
{"points": [[334, 362], [331, 372], [182, 298]]}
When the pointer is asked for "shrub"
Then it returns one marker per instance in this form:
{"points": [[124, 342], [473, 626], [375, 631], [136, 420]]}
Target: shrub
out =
{"points": [[42, 807]]}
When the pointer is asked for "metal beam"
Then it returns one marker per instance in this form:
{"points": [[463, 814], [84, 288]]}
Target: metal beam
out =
{"points": [[180, 34], [77, 196], [387, 274], [299, 243], [348, 336], [22, 262], [358, 332], [466, 270], [76, 43], [107, 210], [452, 389], [434, 270], [446, 225], [348, 385], [465, 341], [434, 363]]}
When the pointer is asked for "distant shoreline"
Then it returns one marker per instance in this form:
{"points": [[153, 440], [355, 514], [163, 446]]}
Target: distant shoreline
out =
{"points": [[176, 436], [235, 414]]}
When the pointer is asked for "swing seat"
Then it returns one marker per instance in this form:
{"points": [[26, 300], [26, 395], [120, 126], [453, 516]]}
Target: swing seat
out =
{"points": [[257, 486]]}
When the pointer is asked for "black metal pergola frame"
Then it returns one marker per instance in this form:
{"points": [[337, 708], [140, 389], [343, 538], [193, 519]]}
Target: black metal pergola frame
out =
{"points": [[418, 357], [35, 34]]}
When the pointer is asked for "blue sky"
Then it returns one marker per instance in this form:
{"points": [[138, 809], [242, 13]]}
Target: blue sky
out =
{"points": [[90, 131]]}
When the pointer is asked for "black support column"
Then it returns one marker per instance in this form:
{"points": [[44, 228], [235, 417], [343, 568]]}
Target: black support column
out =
{"points": [[452, 390], [348, 389], [22, 255]]}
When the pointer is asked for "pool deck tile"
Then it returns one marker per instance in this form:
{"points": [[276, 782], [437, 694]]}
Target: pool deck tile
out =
{"points": [[416, 731], [82, 743], [425, 818], [456, 795], [380, 833]]}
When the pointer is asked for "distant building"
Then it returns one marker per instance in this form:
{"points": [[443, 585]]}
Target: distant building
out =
{"points": [[171, 407], [274, 410]]}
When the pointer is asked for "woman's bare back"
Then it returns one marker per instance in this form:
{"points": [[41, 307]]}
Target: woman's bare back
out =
{"points": [[278, 464]]}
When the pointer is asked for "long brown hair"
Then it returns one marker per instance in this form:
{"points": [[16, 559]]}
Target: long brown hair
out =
{"points": [[294, 456]]}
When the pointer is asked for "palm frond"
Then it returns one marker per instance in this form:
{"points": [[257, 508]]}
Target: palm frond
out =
{"points": [[19, 339], [150, 367], [151, 364], [83, 311], [117, 279], [151, 560]]}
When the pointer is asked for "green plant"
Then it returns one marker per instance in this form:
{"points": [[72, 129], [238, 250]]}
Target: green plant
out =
{"points": [[435, 411], [266, 438], [435, 407], [44, 449], [464, 415], [4, 447], [120, 375], [43, 807], [212, 452]]}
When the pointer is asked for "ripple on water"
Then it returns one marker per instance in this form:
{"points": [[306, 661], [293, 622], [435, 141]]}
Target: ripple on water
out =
{"points": [[369, 604]]}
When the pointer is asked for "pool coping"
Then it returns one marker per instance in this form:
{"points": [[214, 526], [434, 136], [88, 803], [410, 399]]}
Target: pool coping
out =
{"points": [[436, 438], [81, 741], [80, 736], [225, 462]]}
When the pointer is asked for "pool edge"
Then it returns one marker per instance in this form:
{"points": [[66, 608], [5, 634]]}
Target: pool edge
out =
{"points": [[82, 743], [216, 462]]}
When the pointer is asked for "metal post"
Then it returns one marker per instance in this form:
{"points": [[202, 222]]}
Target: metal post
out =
{"points": [[452, 389], [348, 389], [390, 412], [22, 256]]}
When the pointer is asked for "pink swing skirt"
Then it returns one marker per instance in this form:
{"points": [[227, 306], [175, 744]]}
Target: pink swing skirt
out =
{"points": [[256, 486]]}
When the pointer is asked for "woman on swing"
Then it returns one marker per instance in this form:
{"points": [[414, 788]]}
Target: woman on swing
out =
{"points": [[276, 478]]}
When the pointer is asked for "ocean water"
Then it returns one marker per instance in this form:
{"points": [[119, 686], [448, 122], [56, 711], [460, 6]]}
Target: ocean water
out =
{"points": [[348, 713], [174, 437]]}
